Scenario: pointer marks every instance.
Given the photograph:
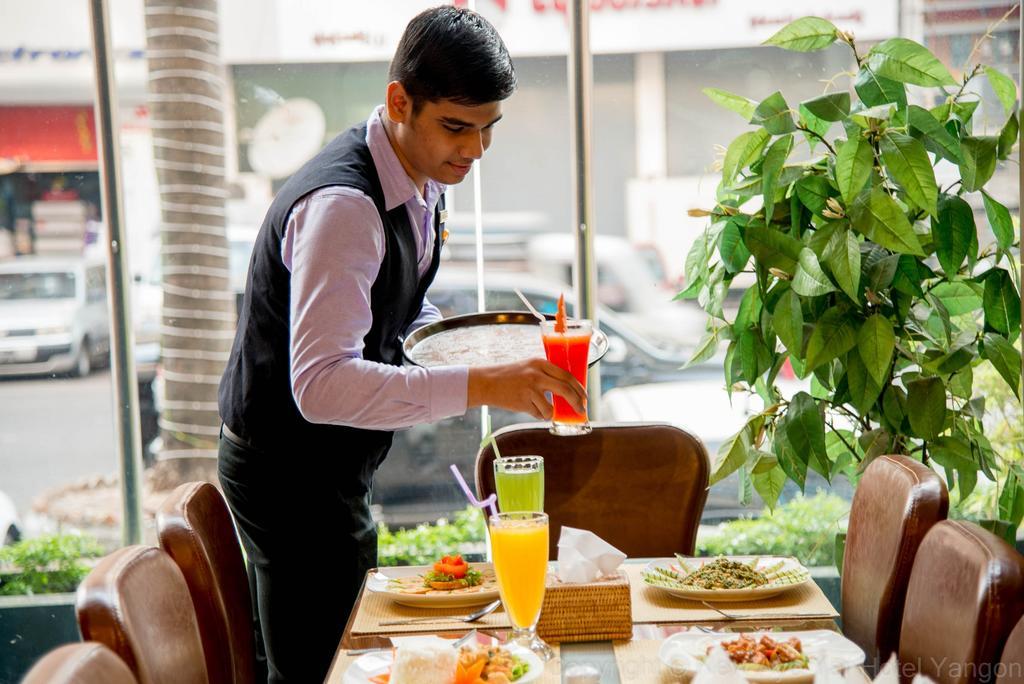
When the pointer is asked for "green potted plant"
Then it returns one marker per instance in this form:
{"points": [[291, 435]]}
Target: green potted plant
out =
{"points": [[871, 280], [38, 578]]}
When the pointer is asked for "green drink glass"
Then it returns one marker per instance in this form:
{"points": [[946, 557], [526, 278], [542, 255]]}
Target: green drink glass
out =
{"points": [[520, 483]]}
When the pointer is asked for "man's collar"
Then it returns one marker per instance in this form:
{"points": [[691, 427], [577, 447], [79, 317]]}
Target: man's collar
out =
{"points": [[398, 187]]}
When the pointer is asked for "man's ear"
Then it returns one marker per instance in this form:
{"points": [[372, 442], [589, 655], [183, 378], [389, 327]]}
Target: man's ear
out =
{"points": [[398, 103]]}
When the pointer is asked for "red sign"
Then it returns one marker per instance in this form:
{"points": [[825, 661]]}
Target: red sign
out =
{"points": [[47, 134]]}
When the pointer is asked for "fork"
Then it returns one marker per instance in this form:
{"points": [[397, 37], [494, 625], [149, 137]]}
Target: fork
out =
{"points": [[472, 617], [757, 616], [457, 644]]}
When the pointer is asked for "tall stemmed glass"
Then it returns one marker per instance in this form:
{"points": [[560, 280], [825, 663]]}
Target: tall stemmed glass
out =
{"points": [[519, 547]]}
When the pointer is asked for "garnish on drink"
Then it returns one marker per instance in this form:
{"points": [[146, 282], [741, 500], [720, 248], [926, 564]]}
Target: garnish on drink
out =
{"points": [[567, 345]]}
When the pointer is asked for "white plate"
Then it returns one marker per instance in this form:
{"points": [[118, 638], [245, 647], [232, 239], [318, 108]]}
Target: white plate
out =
{"points": [[373, 664], [824, 649], [378, 583], [749, 594]]}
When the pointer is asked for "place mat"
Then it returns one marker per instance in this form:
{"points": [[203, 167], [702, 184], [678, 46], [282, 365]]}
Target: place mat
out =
{"points": [[638, 662], [375, 608], [654, 605], [552, 670]]}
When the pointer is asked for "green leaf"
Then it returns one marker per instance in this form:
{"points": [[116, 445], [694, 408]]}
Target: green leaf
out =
{"points": [[962, 383], [864, 390], [952, 230], [749, 312], [830, 107], [877, 216], [875, 90], [908, 276], [773, 248], [842, 256], [1011, 499], [733, 452], [769, 484], [881, 272], [788, 321], [953, 453], [742, 152], [936, 138], [810, 280], [734, 253], [805, 430], [1004, 87], [813, 192], [773, 113], [735, 103], [854, 161], [963, 111], [1008, 137], [979, 161], [1002, 355], [907, 161], [867, 118], [706, 348], [1002, 304], [905, 61], [926, 404], [875, 344], [792, 462], [813, 125], [999, 221], [774, 159], [958, 297], [833, 336], [807, 34], [894, 406]]}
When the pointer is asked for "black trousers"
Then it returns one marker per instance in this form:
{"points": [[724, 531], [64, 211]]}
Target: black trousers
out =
{"points": [[309, 540]]}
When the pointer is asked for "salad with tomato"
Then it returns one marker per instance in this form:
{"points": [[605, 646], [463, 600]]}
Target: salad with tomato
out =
{"points": [[452, 572]]}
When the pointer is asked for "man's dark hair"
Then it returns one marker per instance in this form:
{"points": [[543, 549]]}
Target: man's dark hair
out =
{"points": [[451, 53]]}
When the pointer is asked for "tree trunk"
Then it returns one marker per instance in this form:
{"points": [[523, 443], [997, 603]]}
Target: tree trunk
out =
{"points": [[186, 89]]}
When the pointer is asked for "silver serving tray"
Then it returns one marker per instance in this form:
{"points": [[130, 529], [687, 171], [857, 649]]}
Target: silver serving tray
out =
{"points": [[598, 340]]}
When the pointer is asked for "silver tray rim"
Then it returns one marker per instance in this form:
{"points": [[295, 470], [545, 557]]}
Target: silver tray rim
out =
{"points": [[598, 341]]}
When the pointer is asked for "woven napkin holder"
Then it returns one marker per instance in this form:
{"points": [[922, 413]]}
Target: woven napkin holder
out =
{"points": [[592, 611]]}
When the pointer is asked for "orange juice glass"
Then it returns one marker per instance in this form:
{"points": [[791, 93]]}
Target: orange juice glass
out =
{"points": [[519, 548], [568, 350]]}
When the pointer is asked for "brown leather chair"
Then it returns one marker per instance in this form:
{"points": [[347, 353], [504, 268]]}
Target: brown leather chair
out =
{"points": [[136, 602], [966, 594], [1011, 664], [87, 662], [195, 529], [896, 503], [639, 486]]}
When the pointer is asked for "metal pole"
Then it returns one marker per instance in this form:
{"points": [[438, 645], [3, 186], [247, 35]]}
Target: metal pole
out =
{"points": [[581, 84], [122, 339]]}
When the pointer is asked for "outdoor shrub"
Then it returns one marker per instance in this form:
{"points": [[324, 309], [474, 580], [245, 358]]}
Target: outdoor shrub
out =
{"points": [[804, 527], [48, 564], [424, 544]]}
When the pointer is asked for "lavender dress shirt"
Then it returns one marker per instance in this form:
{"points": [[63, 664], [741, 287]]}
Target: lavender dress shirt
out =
{"points": [[333, 247]]}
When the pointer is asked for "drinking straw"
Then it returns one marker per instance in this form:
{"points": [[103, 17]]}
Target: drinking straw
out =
{"points": [[488, 502]]}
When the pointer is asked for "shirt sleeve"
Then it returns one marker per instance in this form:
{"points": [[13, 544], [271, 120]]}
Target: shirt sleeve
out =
{"points": [[428, 314], [333, 246]]}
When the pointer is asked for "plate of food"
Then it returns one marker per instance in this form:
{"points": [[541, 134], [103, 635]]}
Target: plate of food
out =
{"points": [[763, 658], [726, 578], [432, 660], [450, 583], [485, 339]]}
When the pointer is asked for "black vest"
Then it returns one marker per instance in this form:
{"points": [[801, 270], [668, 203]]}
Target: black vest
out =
{"points": [[255, 395]]}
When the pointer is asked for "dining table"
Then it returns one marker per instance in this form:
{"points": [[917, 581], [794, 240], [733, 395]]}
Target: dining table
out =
{"points": [[655, 617]]}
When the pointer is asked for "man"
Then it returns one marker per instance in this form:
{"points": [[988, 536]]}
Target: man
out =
{"points": [[314, 386]]}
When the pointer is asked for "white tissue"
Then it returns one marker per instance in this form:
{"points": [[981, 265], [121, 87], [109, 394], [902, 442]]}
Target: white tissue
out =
{"points": [[585, 557]]}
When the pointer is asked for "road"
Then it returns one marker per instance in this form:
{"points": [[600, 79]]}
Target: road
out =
{"points": [[54, 431]]}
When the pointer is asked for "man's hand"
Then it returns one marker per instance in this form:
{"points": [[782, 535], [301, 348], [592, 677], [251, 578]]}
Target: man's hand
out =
{"points": [[521, 387]]}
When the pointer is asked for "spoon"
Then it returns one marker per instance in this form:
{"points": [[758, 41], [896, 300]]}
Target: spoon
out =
{"points": [[539, 315], [472, 617]]}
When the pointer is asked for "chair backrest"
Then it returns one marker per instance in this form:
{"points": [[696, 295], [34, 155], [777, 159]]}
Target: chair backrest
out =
{"points": [[639, 486], [136, 602], [195, 529], [966, 593], [897, 501], [1011, 664], [86, 662]]}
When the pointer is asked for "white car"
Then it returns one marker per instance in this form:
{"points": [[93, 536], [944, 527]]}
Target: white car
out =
{"points": [[54, 316]]}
